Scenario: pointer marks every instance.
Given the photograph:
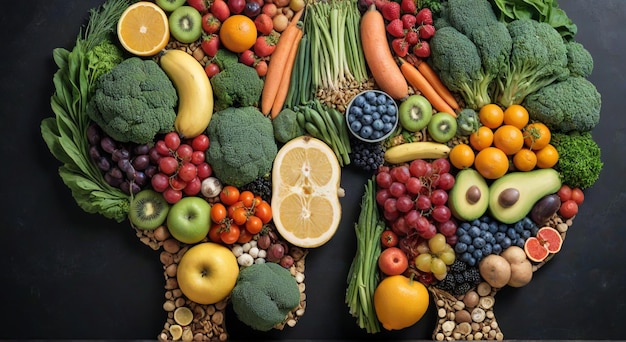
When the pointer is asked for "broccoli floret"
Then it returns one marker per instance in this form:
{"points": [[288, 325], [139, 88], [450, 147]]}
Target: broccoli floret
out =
{"points": [[580, 160], [570, 105], [264, 295], [538, 58], [223, 58], [468, 16], [467, 122], [286, 126], [579, 59], [242, 145], [134, 101], [102, 58], [236, 85]]}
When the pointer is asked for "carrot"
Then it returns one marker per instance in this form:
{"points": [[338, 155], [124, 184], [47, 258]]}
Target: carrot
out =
{"points": [[378, 55], [417, 80], [277, 63], [285, 81], [435, 81]]}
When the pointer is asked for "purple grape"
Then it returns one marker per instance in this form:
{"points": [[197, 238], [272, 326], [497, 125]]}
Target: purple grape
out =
{"points": [[103, 164], [140, 178], [93, 134], [108, 144], [115, 172], [141, 162], [112, 180], [94, 152], [151, 170], [120, 154], [141, 149]]}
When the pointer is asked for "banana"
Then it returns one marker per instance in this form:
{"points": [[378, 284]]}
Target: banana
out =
{"points": [[195, 94], [415, 150]]}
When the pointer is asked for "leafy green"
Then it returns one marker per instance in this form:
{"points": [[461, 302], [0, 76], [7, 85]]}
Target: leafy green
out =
{"points": [[547, 11], [66, 132]]}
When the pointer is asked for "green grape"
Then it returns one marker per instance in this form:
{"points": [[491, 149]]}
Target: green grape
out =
{"points": [[447, 256], [437, 243], [423, 262], [440, 276], [437, 266]]}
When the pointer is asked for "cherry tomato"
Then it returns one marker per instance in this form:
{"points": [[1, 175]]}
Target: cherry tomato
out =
{"points": [[565, 193], [218, 212], [254, 224], [263, 211], [389, 238], [231, 208], [244, 236], [247, 197], [578, 196], [215, 232], [231, 234], [229, 195], [239, 216], [568, 209]]}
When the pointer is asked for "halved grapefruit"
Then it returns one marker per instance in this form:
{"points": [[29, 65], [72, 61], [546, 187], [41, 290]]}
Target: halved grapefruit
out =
{"points": [[547, 241]]}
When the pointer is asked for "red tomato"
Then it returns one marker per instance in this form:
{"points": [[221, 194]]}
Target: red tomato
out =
{"points": [[239, 216], [578, 196], [565, 193], [254, 224], [244, 236], [263, 211], [218, 212], [568, 209], [247, 197], [389, 238], [229, 195], [231, 234], [215, 232]]}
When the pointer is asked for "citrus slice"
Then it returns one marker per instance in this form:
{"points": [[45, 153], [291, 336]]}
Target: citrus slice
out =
{"points": [[183, 316], [551, 238], [143, 29], [305, 192], [535, 250]]}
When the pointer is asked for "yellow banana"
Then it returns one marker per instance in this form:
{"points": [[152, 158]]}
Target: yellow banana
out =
{"points": [[416, 150], [195, 94]]}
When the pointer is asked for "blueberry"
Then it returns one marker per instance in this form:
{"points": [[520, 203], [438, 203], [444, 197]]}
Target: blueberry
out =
{"points": [[357, 111], [488, 237], [352, 118], [479, 242], [388, 127], [527, 222], [475, 222], [382, 109], [386, 118], [471, 261], [465, 257], [493, 227], [466, 239], [367, 108], [478, 254], [355, 126], [518, 226], [378, 125], [359, 101], [500, 236], [465, 225], [376, 135], [474, 232], [471, 248], [485, 218], [496, 249], [391, 109], [487, 249], [525, 234], [370, 96], [511, 233], [375, 116], [367, 119], [503, 227], [366, 131], [534, 230], [381, 99], [460, 247], [484, 226], [506, 243], [519, 243]]}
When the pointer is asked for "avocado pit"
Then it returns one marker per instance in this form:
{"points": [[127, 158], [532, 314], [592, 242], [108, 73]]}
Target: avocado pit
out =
{"points": [[473, 194], [508, 197]]}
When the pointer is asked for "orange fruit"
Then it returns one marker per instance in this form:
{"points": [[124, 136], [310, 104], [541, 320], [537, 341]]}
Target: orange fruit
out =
{"points": [[537, 135], [400, 302], [491, 163], [491, 115], [238, 33], [461, 156], [547, 157], [516, 115], [509, 139], [525, 160], [482, 138], [143, 29], [305, 192]]}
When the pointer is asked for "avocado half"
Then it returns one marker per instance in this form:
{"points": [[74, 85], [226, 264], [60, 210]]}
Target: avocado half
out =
{"points": [[469, 197]]}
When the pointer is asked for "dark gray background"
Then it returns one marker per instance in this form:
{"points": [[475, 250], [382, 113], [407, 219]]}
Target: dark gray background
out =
{"points": [[65, 274]]}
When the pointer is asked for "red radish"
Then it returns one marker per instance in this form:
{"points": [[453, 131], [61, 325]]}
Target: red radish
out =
{"points": [[261, 68]]}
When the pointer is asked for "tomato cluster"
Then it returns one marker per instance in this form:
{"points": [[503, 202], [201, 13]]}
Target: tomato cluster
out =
{"points": [[238, 216]]}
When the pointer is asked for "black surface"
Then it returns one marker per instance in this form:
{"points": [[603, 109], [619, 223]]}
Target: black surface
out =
{"points": [[65, 274]]}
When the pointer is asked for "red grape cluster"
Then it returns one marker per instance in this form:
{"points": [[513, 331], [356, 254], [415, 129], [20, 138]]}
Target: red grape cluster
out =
{"points": [[414, 198], [181, 166]]}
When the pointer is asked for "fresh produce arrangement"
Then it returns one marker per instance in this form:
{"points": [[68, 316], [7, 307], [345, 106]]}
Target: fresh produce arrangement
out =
{"points": [[219, 130]]}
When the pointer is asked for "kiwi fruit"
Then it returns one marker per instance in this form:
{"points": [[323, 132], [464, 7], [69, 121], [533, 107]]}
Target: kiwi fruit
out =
{"points": [[170, 5], [185, 24], [148, 210]]}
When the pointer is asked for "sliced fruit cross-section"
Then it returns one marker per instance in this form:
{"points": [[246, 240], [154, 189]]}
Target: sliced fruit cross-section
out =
{"points": [[143, 29], [548, 240], [305, 186]]}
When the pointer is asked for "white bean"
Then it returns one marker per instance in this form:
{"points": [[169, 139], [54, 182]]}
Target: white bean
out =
{"points": [[237, 250], [245, 260], [254, 252]]}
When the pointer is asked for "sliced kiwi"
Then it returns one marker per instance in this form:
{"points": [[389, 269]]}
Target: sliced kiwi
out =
{"points": [[148, 210], [186, 24], [170, 5]]}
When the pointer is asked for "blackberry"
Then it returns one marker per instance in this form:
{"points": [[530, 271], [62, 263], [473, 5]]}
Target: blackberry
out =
{"points": [[367, 156], [472, 276], [458, 266], [462, 289], [261, 186]]}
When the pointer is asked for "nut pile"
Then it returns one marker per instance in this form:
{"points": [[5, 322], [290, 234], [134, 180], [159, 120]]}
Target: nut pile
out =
{"points": [[466, 317], [190, 321]]}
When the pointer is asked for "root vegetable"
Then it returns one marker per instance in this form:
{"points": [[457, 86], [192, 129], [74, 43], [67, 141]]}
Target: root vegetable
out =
{"points": [[496, 270]]}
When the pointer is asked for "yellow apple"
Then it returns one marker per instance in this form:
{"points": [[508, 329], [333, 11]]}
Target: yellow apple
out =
{"points": [[207, 273]]}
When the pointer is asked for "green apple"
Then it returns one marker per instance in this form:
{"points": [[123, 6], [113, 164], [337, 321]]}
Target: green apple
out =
{"points": [[170, 5], [189, 219], [207, 273], [414, 113], [442, 127]]}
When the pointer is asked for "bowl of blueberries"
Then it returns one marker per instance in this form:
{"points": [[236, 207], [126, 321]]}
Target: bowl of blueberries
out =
{"points": [[372, 115]]}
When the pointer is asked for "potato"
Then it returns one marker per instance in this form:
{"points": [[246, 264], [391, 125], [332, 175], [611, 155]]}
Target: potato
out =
{"points": [[521, 268], [496, 270]]}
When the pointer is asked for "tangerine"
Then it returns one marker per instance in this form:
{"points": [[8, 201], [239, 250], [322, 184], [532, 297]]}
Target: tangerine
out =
{"points": [[525, 160], [516, 115], [491, 163], [537, 135], [143, 29], [547, 157], [482, 138], [491, 115], [400, 302], [461, 156], [509, 139], [238, 33]]}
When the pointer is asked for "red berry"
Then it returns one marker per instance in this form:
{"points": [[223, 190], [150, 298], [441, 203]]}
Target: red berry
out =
{"points": [[395, 28], [391, 10], [408, 6], [400, 47], [220, 10], [424, 16], [426, 31], [210, 24], [200, 143], [408, 20], [422, 49], [412, 37]]}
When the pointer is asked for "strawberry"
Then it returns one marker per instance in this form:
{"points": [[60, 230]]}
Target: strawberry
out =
{"points": [[264, 23], [422, 49], [412, 37], [201, 5], [391, 11], [380, 3], [408, 20], [408, 6], [248, 58], [265, 45], [426, 31], [395, 28], [424, 17], [210, 24], [220, 10], [210, 44], [400, 47]]}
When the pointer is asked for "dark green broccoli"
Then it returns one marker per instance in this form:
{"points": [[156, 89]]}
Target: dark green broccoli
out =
{"points": [[237, 85], [264, 295], [570, 105], [134, 101], [467, 121], [538, 58], [286, 126], [580, 160], [468, 16], [242, 145], [579, 59], [223, 58]]}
